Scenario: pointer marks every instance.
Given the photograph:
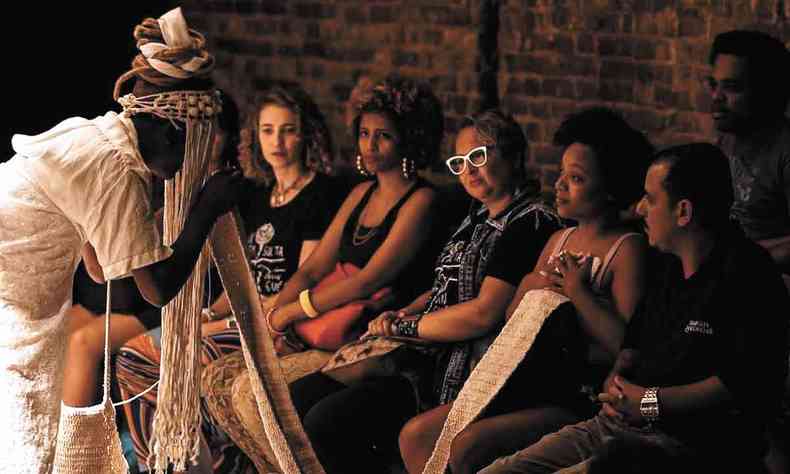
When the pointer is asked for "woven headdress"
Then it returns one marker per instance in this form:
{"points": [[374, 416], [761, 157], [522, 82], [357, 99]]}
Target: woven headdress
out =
{"points": [[172, 55]]}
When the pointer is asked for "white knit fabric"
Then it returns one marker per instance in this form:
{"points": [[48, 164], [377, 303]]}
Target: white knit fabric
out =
{"points": [[493, 370], [284, 431], [81, 181]]}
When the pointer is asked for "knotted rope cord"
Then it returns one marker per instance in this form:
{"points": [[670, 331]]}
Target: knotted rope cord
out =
{"points": [[493, 370], [176, 435], [170, 54]]}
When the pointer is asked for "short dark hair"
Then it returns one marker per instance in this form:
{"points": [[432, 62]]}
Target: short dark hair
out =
{"points": [[622, 152], [699, 172], [500, 130], [768, 68], [414, 110]]}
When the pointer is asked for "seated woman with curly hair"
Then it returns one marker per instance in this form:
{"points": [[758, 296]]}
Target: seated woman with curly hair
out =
{"points": [[384, 224], [287, 149], [353, 427]]}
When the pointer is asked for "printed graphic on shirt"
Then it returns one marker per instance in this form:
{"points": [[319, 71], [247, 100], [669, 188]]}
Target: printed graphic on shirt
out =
{"points": [[699, 327], [743, 179], [447, 268], [267, 261]]}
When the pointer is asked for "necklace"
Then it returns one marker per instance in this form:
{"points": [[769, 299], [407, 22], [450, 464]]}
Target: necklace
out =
{"points": [[359, 238], [278, 196]]}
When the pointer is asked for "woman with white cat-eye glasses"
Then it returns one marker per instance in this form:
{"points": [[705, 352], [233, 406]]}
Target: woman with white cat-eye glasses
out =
{"points": [[476, 157]]}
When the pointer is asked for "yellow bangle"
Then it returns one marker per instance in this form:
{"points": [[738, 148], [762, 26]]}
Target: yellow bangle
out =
{"points": [[307, 305]]}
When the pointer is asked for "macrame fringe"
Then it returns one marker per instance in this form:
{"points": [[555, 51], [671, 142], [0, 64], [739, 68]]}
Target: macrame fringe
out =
{"points": [[176, 427]]}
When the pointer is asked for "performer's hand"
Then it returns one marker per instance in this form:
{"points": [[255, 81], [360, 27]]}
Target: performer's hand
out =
{"points": [[224, 189]]}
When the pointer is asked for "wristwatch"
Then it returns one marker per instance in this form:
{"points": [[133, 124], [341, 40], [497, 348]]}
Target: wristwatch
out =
{"points": [[648, 406]]}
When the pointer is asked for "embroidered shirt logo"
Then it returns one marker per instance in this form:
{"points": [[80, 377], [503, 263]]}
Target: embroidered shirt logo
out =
{"points": [[699, 327]]}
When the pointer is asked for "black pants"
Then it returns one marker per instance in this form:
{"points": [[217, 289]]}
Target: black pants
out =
{"points": [[354, 428]]}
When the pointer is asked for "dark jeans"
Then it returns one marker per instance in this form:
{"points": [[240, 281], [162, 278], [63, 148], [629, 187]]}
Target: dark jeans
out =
{"points": [[354, 428]]}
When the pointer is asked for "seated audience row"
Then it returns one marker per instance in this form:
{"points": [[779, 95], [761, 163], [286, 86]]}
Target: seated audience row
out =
{"points": [[389, 321]]}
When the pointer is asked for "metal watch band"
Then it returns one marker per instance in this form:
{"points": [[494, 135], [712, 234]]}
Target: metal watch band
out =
{"points": [[648, 406]]}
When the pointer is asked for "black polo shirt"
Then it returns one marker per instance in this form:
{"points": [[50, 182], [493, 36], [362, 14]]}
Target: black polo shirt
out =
{"points": [[729, 320]]}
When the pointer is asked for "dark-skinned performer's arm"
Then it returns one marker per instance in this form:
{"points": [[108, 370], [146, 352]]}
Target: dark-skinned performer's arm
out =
{"points": [[161, 281]]}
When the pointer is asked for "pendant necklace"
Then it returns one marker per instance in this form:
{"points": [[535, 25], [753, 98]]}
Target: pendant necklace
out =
{"points": [[278, 197]]}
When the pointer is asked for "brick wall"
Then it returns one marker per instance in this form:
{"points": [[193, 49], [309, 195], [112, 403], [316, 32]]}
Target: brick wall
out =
{"points": [[549, 57]]}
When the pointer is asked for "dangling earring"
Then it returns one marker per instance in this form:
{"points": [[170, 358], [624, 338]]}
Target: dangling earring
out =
{"points": [[361, 167], [407, 167]]}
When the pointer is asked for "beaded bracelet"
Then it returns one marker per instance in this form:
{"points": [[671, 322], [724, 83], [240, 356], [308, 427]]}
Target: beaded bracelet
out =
{"points": [[269, 325]]}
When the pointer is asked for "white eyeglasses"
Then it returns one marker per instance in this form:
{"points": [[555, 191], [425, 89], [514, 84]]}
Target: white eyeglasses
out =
{"points": [[476, 157]]}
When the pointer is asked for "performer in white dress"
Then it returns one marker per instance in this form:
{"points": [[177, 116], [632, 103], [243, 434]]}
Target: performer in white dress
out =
{"points": [[89, 181]]}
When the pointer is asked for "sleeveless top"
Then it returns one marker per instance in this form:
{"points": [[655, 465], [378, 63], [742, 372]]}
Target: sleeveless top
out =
{"points": [[360, 248], [599, 270], [560, 357], [596, 369]]}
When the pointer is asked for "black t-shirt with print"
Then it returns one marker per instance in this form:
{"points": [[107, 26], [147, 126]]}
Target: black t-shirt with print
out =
{"points": [[729, 320], [275, 234], [505, 247], [513, 255]]}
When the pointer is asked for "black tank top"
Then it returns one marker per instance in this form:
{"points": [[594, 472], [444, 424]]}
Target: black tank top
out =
{"points": [[359, 243]]}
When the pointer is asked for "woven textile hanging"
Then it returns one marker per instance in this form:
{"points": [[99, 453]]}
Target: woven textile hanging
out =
{"points": [[280, 421], [493, 370], [176, 427]]}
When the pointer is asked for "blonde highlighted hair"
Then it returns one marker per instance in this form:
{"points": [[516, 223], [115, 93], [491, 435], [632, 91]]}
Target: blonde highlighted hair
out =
{"points": [[316, 140]]}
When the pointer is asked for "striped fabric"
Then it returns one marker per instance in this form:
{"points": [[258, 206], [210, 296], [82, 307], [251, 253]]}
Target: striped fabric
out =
{"points": [[137, 368]]}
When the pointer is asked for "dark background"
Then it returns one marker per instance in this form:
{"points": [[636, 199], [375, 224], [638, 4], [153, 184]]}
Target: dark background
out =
{"points": [[62, 60]]}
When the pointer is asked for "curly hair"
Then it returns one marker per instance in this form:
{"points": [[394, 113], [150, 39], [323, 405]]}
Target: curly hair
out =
{"points": [[316, 140], [414, 110], [622, 152], [500, 130]]}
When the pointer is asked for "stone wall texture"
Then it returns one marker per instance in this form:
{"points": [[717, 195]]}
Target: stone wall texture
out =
{"points": [[538, 59]]}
